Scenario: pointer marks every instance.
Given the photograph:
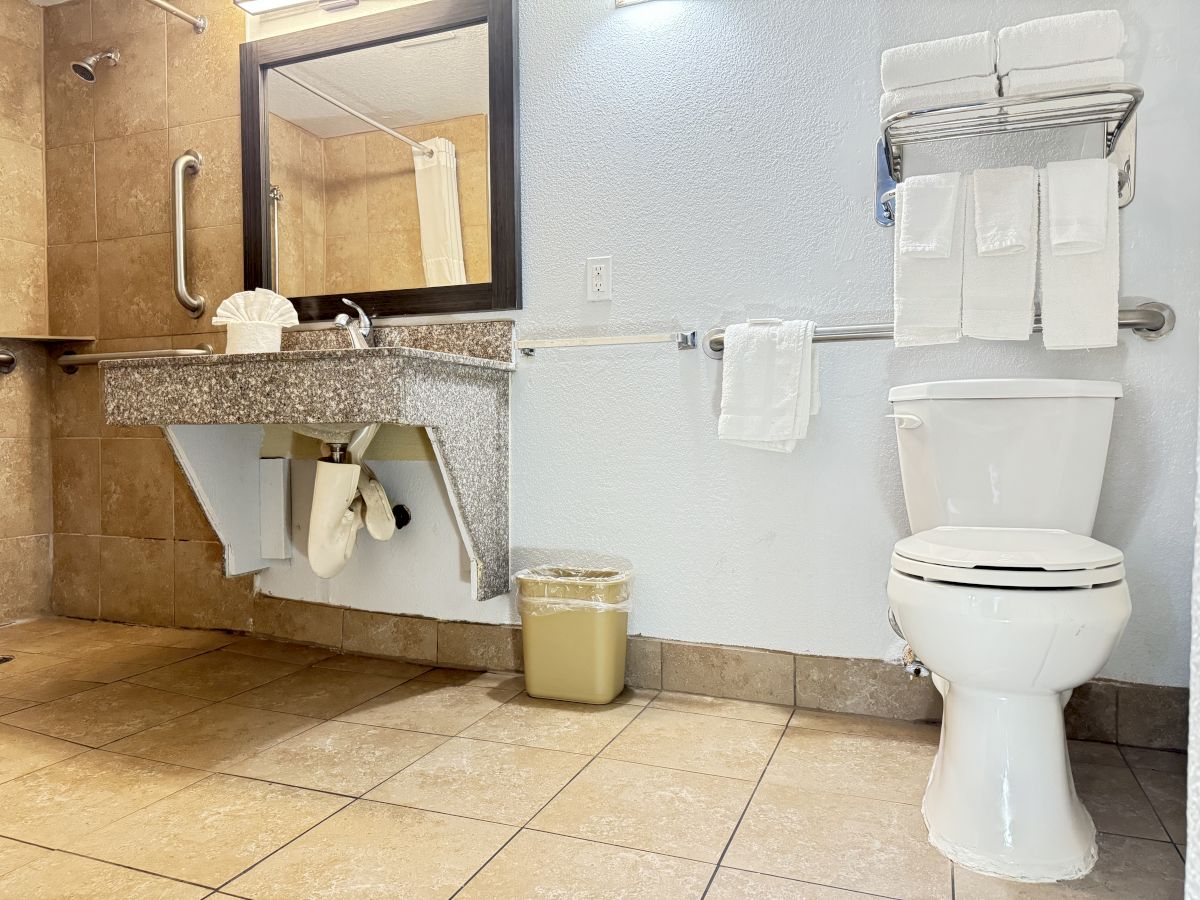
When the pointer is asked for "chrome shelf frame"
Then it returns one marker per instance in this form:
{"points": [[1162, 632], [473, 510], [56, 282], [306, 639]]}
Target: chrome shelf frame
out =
{"points": [[1112, 105]]}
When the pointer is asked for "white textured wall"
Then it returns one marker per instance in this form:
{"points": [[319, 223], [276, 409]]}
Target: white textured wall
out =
{"points": [[722, 152]]}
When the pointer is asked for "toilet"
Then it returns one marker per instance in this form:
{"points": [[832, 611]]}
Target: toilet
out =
{"points": [[1011, 605]]}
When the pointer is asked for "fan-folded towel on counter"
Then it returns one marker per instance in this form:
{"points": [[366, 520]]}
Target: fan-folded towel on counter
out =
{"points": [[770, 384]]}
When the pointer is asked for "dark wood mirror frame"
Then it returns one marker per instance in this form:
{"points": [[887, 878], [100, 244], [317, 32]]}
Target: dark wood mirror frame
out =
{"points": [[259, 57]]}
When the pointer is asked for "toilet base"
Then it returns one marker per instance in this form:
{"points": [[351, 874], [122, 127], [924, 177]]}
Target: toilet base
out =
{"points": [[1001, 799]]}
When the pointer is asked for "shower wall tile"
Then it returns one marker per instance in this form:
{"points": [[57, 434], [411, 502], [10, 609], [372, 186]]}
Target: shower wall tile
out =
{"points": [[67, 23], [25, 562], [204, 597], [20, 90], [73, 288], [136, 581], [24, 393], [22, 287], [191, 523], [346, 185], [138, 270], [71, 194], [117, 19], [75, 401], [133, 98], [473, 188], [347, 264], [216, 197], [25, 487], [203, 69], [76, 485], [394, 259], [22, 196], [136, 478], [70, 108], [75, 589], [477, 253], [133, 186], [215, 270], [21, 22]]}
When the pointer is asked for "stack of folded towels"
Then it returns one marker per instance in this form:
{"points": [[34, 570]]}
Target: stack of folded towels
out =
{"points": [[938, 73], [1061, 52]]}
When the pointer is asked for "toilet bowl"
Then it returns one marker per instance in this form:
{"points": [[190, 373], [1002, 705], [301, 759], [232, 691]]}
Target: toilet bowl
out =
{"points": [[1010, 604], [1010, 621]]}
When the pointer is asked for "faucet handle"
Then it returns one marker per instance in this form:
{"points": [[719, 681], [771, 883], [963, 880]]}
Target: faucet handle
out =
{"points": [[364, 321]]}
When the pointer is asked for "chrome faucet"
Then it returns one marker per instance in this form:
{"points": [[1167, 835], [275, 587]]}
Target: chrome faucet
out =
{"points": [[360, 334]]}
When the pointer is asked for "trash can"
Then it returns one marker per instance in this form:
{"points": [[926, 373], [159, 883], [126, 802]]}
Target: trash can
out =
{"points": [[573, 626]]}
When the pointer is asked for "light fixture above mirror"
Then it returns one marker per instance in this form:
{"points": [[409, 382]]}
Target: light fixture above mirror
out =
{"points": [[262, 7]]}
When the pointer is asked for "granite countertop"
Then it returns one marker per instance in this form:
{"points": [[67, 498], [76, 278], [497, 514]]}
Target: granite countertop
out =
{"points": [[371, 353]]}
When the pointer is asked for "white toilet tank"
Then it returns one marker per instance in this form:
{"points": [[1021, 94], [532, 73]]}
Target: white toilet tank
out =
{"points": [[1004, 452]]}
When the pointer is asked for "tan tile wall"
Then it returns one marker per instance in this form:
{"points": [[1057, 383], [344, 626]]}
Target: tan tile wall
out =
{"points": [[130, 541]]}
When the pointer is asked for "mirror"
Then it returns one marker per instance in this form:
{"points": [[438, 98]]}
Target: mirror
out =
{"points": [[383, 163]]}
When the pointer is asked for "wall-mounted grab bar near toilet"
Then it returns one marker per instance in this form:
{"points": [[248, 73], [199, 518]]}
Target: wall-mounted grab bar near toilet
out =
{"points": [[189, 163]]}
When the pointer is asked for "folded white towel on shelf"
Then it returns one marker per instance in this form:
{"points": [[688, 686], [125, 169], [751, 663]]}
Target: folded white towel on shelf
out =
{"points": [[1000, 254], [1060, 40], [1079, 205], [940, 93], [928, 289], [1080, 291], [769, 385], [942, 60], [1060, 78]]}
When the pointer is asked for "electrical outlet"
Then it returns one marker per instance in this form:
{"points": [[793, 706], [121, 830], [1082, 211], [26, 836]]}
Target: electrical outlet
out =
{"points": [[599, 278]]}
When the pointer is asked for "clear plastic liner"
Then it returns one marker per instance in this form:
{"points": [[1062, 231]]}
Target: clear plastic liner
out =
{"points": [[544, 590]]}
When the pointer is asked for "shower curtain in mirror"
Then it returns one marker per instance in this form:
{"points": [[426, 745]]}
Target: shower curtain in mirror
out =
{"points": [[441, 221]]}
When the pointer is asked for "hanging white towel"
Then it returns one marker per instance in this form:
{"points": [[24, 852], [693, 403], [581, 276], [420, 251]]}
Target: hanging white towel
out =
{"points": [[1000, 254], [943, 60], [1060, 78], [941, 93], [928, 288], [770, 384], [1060, 40], [1079, 203], [1080, 290]]}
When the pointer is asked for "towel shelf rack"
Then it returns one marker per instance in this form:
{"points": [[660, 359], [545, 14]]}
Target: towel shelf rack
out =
{"points": [[1150, 320], [70, 362], [1111, 105]]}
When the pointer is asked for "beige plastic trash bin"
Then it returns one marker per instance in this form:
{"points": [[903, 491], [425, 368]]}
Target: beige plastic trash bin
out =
{"points": [[573, 625]]}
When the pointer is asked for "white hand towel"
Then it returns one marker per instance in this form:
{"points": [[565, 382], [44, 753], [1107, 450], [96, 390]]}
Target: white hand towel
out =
{"points": [[1079, 204], [928, 290], [999, 283], [1060, 40], [1060, 78], [927, 218], [1080, 291], [769, 386], [944, 60], [941, 93]]}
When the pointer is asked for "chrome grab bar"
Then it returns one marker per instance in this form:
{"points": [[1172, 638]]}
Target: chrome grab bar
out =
{"points": [[72, 361], [8, 361], [190, 163], [276, 196]]}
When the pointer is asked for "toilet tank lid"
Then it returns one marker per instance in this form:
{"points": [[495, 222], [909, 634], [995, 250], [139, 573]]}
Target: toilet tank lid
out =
{"points": [[1050, 549], [1004, 389]]}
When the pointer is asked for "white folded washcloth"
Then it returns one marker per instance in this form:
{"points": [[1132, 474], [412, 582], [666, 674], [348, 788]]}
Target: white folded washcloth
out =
{"points": [[940, 93], [928, 289], [1079, 205], [927, 218], [1060, 40], [1080, 291], [1060, 78], [770, 385], [943, 60], [1000, 254]]}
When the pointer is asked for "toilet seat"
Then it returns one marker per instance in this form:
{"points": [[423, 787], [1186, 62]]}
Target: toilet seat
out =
{"points": [[1008, 557]]}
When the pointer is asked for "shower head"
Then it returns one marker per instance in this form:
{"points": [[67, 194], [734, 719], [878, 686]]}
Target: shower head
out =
{"points": [[85, 69]]}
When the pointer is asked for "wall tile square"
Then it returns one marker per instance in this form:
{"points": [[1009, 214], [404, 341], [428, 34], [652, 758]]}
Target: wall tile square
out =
{"points": [[346, 184], [76, 581], [347, 265], [1152, 716], [868, 687], [75, 400], [25, 478], [133, 185], [136, 580], [383, 634], [203, 69], [113, 19], [643, 663], [73, 289], [215, 198], [294, 620], [22, 285], [394, 259], [215, 270], [70, 102], [21, 23], [136, 478], [20, 89], [71, 194], [1091, 713], [67, 23], [24, 394], [134, 99], [138, 270], [735, 672], [25, 562], [204, 597], [191, 523], [76, 485], [472, 645], [22, 197]]}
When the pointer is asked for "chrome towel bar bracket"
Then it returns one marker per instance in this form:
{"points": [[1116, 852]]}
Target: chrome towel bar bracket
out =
{"points": [[8, 361], [190, 163]]}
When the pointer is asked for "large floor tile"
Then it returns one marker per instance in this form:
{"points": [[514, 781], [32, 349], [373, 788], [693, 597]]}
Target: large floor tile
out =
{"points": [[484, 780], [1128, 869], [99, 670], [338, 756], [14, 854], [211, 831], [23, 663], [541, 865], [280, 651], [22, 752], [1159, 760], [8, 705], [1168, 795], [555, 725], [321, 693], [371, 665], [871, 726], [376, 850], [66, 644], [1094, 753], [734, 884], [84, 793], [854, 843], [40, 687], [475, 679], [216, 676], [878, 768], [104, 714], [648, 808], [720, 706], [428, 706], [215, 737], [715, 746], [61, 876], [1116, 801]]}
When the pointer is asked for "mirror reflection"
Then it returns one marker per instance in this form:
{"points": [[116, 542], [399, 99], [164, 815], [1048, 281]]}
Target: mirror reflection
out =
{"points": [[378, 166]]}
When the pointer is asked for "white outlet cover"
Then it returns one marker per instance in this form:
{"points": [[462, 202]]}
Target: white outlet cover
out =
{"points": [[598, 278]]}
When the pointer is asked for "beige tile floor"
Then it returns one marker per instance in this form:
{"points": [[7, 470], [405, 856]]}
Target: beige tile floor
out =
{"points": [[159, 763]]}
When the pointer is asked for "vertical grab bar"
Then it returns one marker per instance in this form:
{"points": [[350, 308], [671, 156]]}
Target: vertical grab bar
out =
{"points": [[189, 163], [276, 196]]}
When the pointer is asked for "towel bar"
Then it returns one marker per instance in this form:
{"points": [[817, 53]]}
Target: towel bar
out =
{"points": [[70, 362]]}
